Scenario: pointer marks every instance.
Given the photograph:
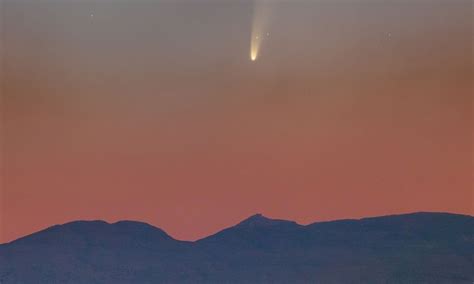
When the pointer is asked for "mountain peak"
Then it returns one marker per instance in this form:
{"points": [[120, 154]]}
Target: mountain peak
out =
{"points": [[259, 220]]}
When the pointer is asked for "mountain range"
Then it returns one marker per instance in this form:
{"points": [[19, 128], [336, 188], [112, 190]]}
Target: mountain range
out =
{"points": [[410, 248]]}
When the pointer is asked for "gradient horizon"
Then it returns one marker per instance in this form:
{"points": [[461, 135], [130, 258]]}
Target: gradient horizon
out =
{"points": [[153, 111]]}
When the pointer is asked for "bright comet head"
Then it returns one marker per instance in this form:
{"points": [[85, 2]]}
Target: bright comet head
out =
{"points": [[253, 55]]}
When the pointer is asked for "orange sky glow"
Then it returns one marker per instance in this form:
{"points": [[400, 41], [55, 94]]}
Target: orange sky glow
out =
{"points": [[153, 111]]}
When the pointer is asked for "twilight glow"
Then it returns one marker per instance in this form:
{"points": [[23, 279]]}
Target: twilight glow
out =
{"points": [[152, 111]]}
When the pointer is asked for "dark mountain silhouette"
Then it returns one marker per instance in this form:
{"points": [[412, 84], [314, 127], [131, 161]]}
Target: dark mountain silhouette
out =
{"points": [[410, 248]]}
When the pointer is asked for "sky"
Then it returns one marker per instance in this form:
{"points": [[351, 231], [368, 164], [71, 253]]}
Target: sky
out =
{"points": [[154, 111]]}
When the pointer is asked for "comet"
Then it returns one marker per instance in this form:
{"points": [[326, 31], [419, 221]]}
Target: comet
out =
{"points": [[259, 34]]}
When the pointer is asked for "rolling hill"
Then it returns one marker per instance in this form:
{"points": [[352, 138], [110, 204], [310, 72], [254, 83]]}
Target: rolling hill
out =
{"points": [[409, 248]]}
